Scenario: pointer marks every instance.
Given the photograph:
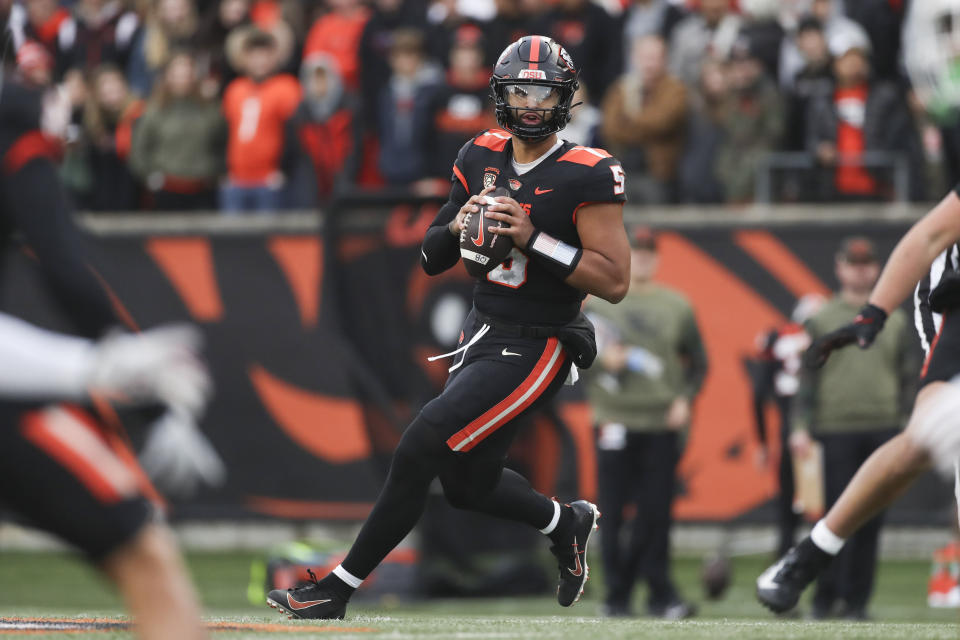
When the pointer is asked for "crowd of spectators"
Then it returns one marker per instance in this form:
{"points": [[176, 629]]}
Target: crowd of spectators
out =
{"points": [[270, 104]]}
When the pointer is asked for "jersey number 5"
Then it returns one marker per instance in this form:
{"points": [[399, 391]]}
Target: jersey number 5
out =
{"points": [[618, 178], [512, 272]]}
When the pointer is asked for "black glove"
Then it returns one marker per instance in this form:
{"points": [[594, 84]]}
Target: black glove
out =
{"points": [[863, 330]]}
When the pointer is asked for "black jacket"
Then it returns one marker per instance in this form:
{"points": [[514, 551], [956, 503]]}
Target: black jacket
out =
{"points": [[888, 126]]}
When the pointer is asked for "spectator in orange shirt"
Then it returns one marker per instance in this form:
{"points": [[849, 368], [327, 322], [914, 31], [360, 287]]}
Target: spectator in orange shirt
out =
{"points": [[257, 107], [338, 33]]}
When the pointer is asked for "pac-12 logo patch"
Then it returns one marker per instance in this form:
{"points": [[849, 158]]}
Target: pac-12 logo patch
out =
{"points": [[489, 179], [515, 184]]}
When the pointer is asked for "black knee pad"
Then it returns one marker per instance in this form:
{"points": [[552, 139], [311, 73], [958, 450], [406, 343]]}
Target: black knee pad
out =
{"points": [[466, 482]]}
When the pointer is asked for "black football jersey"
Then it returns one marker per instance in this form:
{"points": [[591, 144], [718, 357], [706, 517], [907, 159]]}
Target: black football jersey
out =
{"points": [[520, 289], [34, 209], [20, 109]]}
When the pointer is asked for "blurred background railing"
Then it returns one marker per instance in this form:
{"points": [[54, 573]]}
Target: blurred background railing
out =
{"points": [[797, 176]]}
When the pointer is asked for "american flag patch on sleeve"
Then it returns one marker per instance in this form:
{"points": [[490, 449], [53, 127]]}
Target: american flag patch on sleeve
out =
{"points": [[554, 249]]}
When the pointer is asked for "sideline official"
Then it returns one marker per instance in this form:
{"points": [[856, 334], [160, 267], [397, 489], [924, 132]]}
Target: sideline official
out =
{"points": [[651, 366], [855, 403]]}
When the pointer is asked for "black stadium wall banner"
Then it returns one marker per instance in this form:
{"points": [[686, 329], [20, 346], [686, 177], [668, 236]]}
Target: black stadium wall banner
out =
{"points": [[318, 338]]}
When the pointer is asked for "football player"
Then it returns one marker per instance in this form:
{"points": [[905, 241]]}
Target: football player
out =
{"points": [[523, 335], [61, 467], [928, 255]]}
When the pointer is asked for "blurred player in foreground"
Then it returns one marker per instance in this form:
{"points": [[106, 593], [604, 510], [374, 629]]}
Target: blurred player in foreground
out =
{"points": [[928, 254], [523, 334], [61, 466]]}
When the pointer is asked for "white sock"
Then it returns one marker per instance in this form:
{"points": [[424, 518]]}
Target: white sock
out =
{"points": [[825, 539], [347, 577], [547, 530]]}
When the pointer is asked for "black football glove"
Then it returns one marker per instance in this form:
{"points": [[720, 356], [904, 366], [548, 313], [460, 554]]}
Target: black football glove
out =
{"points": [[863, 330]]}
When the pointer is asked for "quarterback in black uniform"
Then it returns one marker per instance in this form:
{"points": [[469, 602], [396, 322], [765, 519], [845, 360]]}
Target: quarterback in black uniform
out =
{"points": [[59, 466], [524, 334]]}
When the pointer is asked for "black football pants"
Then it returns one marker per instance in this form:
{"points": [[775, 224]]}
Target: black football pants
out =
{"points": [[642, 474], [787, 519], [462, 437], [849, 578]]}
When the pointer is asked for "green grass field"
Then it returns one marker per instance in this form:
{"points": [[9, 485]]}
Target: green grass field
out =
{"points": [[59, 586]]}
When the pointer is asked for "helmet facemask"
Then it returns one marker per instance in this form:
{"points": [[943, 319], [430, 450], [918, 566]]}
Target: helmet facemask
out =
{"points": [[515, 100]]}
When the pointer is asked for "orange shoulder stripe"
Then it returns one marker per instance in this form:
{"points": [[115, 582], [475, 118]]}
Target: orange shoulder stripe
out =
{"points": [[584, 155], [460, 176], [494, 139]]}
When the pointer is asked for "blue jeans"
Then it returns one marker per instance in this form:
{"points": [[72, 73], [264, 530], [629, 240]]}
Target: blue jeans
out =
{"points": [[237, 199]]}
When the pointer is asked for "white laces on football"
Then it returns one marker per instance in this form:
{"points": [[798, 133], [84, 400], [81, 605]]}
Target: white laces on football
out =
{"points": [[462, 349]]}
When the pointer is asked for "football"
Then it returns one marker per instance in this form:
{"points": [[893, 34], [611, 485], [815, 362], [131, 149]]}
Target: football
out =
{"points": [[481, 250], [715, 576]]}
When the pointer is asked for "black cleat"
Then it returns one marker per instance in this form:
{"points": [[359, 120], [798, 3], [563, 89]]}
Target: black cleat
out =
{"points": [[311, 601], [780, 586], [572, 555]]}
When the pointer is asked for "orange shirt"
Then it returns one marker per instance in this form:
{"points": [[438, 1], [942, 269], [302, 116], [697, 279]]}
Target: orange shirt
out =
{"points": [[256, 115], [851, 108], [339, 36]]}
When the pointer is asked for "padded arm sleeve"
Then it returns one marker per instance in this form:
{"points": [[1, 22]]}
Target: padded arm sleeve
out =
{"points": [[37, 206], [440, 249]]}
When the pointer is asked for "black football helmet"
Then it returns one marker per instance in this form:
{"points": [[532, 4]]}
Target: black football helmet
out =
{"points": [[533, 68]]}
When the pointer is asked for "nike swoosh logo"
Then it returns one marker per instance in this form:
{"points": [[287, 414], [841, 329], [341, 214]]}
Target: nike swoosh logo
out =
{"points": [[538, 191], [766, 579], [478, 241], [296, 606], [508, 353], [579, 570]]}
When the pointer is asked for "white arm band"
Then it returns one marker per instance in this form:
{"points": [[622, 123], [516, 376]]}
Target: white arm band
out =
{"points": [[40, 364]]}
